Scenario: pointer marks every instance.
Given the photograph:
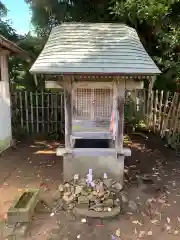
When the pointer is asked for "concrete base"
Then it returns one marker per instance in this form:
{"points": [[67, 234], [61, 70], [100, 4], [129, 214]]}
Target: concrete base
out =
{"points": [[100, 164]]}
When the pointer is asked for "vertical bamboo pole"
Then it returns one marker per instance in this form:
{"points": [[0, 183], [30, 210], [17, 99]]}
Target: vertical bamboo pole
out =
{"points": [[37, 113], [155, 110], [15, 107], [144, 104], [56, 116], [151, 109], [51, 112], [21, 109], [32, 112], [48, 115], [148, 108], [166, 122], [172, 117], [164, 113], [42, 109], [176, 120], [160, 111], [61, 111], [27, 115]]}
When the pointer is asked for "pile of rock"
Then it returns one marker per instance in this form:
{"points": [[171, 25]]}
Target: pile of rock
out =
{"points": [[103, 196]]}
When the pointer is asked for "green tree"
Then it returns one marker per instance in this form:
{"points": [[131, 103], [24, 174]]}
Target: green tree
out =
{"points": [[3, 10], [48, 13], [156, 21], [20, 76]]}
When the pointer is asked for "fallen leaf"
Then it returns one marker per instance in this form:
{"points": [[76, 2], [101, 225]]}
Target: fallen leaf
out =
{"points": [[168, 227], [176, 232], [135, 231], [83, 220], [161, 201], [118, 232], [129, 213], [154, 221], [137, 222], [168, 219], [149, 233], [150, 200], [141, 234]]}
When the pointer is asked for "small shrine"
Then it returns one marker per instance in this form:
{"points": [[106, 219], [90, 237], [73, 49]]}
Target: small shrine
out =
{"points": [[95, 63]]}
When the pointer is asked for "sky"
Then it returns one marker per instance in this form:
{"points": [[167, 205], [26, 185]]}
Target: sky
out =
{"points": [[19, 15]]}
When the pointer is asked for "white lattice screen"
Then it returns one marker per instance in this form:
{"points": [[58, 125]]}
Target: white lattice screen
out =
{"points": [[93, 103]]}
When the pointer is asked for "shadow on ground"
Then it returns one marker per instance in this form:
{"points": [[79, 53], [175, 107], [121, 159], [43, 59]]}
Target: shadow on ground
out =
{"points": [[34, 164]]}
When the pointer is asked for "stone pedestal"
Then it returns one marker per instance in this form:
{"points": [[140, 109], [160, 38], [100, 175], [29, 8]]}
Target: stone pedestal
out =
{"points": [[113, 167]]}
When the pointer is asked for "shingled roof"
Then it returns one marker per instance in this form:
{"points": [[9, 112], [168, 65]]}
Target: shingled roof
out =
{"points": [[77, 48]]}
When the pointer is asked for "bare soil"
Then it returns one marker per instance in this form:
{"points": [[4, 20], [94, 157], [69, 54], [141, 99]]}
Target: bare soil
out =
{"points": [[34, 164]]}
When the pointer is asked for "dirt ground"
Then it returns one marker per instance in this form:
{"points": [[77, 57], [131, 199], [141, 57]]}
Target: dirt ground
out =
{"points": [[35, 165]]}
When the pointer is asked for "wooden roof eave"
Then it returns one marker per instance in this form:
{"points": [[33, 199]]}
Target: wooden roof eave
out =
{"points": [[7, 45], [96, 75]]}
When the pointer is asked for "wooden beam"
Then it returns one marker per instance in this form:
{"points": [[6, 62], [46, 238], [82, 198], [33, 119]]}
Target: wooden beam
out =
{"points": [[93, 152], [4, 68], [120, 108], [12, 47], [68, 111], [52, 84]]}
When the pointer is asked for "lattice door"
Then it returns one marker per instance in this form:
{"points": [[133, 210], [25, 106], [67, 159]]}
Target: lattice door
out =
{"points": [[93, 103]]}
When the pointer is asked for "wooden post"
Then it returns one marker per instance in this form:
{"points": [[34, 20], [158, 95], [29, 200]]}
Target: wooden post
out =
{"points": [[150, 100], [37, 113], [173, 114], [164, 115], [176, 122], [42, 109], [155, 110], [4, 66], [21, 109], [68, 111], [166, 122], [120, 109], [32, 113], [160, 111], [27, 114], [4, 73]]}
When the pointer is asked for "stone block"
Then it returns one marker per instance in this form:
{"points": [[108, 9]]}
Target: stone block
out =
{"points": [[83, 200], [92, 214], [19, 232], [23, 209], [6, 230], [108, 203]]}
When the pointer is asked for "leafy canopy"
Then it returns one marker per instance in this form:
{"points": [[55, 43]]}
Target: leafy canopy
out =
{"points": [[156, 21]]}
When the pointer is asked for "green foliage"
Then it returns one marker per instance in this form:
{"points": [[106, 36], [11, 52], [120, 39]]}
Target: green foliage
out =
{"points": [[48, 13], [156, 21], [3, 9], [19, 74]]}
